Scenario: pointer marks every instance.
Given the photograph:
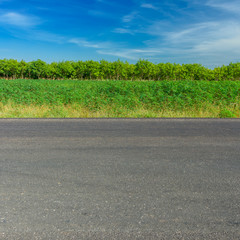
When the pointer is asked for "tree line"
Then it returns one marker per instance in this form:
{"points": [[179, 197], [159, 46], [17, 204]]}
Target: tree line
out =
{"points": [[117, 70]]}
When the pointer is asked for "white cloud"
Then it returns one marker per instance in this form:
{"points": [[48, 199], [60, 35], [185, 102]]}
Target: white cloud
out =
{"points": [[105, 2], [18, 20], [89, 44], [84, 43], [226, 41], [130, 17], [123, 31], [37, 35], [196, 32], [208, 37], [117, 50], [148, 5], [118, 53], [157, 28], [231, 6], [132, 54], [108, 48], [210, 43]]}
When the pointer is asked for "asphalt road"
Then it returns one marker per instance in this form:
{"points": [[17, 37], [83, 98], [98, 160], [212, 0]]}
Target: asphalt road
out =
{"points": [[119, 179]]}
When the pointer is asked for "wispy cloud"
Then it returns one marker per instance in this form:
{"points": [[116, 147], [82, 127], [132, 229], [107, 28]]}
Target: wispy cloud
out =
{"points": [[148, 5], [18, 20], [231, 6], [223, 39], [196, 32], [118, 53], [113, 49], [208, 37], [130, 17], [28, 27], [107, 48], [105, 2], [132, 54], [123, 31], [209, 43], [89, 44], [33, 34], [84, 43]]}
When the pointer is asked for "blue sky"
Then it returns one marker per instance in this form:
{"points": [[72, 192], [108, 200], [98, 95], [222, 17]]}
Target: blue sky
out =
{"points": [[180, 31]]}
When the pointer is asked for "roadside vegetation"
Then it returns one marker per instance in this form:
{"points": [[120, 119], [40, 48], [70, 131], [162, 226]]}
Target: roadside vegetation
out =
{"points": [[119, 98], [118, 70]]}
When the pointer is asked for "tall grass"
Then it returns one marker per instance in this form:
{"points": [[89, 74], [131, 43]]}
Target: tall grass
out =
{"points": [[69, 98]]}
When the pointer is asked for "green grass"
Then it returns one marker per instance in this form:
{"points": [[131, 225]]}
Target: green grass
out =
{"points": [[69, 98]]}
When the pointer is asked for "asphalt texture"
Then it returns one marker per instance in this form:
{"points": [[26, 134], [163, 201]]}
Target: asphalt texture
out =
{"points": [[119, 179]]}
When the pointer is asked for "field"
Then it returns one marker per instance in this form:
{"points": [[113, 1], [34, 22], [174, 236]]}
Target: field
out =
{"points": [[76, 98]]}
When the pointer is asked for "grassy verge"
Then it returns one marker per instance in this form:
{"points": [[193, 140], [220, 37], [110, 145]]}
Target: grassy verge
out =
{"points": [[77, 111], [86, 99]]}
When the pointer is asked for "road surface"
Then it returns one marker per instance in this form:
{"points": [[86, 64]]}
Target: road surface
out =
{"points": [[120, 179]]}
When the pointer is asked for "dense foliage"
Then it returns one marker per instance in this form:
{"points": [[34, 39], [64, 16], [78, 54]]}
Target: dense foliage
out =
{"points": [[119, 94], [118, 70]]}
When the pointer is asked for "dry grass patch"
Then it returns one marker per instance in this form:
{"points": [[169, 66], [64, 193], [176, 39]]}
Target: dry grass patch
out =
{"points": [[11, 110]]}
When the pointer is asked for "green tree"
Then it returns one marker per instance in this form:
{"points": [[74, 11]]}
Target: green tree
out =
{"points": [[92, 70], [22, 69], [120, 71], [2, 68], [65, 70], [80, 69], [144, 69], [10, 68], [105, 70], [37, 69], [51, 70], [165, 71], [232, 72], [130, 68]]}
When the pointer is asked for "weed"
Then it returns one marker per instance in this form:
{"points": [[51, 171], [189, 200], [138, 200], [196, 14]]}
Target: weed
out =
{"points": [[225, 113]]}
